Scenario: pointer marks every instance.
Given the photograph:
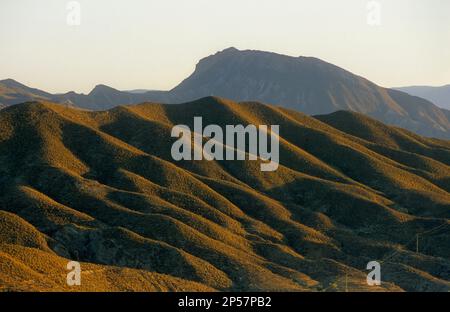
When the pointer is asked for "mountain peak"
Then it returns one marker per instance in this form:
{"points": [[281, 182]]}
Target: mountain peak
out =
{"points": [[11, 83], [102, 88], [229, 50]]}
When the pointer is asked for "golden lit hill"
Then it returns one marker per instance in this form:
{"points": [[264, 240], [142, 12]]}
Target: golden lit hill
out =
{"points": [[101, 188]]}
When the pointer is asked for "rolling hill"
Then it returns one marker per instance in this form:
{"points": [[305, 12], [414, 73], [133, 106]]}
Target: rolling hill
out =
{"points": [[305, 84], [101, 188]]}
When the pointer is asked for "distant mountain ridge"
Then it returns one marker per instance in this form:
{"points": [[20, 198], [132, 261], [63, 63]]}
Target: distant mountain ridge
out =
{"points": [[306, 84], [309, 85], [438, 95], [13, 92]]}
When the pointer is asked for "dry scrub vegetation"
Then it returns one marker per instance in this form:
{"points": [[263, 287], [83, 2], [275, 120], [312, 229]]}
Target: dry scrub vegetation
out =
{"points": [[101, 188]]}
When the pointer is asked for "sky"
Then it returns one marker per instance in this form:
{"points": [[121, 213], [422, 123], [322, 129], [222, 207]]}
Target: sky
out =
{"points": [[155, 44]]}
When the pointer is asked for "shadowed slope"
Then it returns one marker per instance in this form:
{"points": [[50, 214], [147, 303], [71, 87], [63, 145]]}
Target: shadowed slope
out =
{"points": [[103, 189]]}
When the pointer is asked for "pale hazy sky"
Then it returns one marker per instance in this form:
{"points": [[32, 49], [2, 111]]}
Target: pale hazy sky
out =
{"points": [[154, 44]]}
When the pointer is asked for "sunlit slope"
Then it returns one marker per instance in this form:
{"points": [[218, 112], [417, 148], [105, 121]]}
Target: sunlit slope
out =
{"points": [[102, 188]]}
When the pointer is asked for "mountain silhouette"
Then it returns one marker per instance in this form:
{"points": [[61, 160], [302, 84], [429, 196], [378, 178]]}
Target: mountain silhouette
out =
{"points": [[438, 95], [13, 92], [306, 84], [102, 188]]}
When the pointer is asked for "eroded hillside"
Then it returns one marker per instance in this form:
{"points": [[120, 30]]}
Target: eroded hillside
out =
{"points": [[102, 188]]}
